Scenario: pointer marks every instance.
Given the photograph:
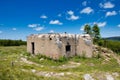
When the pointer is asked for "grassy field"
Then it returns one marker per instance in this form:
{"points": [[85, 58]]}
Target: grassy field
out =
{"points": [[17, 64]]}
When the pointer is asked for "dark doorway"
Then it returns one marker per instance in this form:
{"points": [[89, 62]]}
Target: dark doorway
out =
{"points": [[68, 48], [33, 47]]}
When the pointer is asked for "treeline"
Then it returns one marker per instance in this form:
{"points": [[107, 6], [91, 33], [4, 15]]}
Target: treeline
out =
{"points": [[7, 42], [113, 45], [94, 32]]}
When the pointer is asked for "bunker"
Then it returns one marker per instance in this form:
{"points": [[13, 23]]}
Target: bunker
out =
{"points": [[55, 45]]}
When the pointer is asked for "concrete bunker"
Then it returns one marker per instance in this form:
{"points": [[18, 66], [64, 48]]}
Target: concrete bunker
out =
{"points": [[55, 45]]}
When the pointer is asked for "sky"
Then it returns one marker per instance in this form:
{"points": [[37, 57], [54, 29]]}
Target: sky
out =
{"points": [[20, 18]]}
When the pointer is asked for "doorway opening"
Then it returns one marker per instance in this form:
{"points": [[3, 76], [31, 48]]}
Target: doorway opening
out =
{"points": [[68, 47], [33, 47]]}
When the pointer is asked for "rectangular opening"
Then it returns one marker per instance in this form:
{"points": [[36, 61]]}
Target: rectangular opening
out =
{"points": [[33, 47], [68, 48]]}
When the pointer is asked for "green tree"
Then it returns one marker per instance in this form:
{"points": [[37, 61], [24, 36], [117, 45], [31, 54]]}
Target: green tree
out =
{"points": [[96, 33], [87, 29]]}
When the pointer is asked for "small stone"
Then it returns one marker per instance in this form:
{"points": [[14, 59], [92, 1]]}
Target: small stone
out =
{"points": [[33, 70], [109, 77], [115, 74], [68, 73], [61, 74], [88, 77], [41, 59]]}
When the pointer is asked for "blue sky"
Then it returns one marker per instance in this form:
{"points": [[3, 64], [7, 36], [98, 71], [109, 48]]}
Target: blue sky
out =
{"points": [[20, 18]]}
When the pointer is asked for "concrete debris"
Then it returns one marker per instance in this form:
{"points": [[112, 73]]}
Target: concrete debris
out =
{"points": [[88, 77], [115, 74], [51, 74], [33, 70], [41, 59], [109, 77]]}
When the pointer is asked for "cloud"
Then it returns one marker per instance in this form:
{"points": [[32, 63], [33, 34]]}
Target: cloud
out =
{"points": [[1, 32], [39, 28], [14, 29], [70, 12], [84, 3], [107, 5], [100, 24], [36, 27], [119, 25], [72, 16], [43, 17], [55, 22], [33, 25], [51, 31], [87, 10], [59, 15], [82, 28], [111, 13]]}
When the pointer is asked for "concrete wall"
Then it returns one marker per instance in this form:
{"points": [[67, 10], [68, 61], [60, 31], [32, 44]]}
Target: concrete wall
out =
{"points": [[54, 45], [84, 49]]}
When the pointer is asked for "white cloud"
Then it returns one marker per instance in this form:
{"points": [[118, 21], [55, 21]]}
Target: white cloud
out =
{"points": [[33, 25], [55, 22], [36, 27], [59, 15], [72, 16], [39, 28], [107, 5], [101, 24], [43, 17], [14, 29], [1, 32], [82, 28], [51, 31], [118, 25], [111, 13], [87, 10], [70, 12], [84, 3]]}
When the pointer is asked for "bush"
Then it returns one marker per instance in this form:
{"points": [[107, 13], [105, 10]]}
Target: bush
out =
{"points": [[113, 45], [63, 59]]}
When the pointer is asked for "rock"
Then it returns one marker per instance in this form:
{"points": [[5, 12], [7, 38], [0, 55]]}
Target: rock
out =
{"points": [[33, 70], [88, 77], [108, 55], [61, 74], [23, 59], [115, 74], [41, 59], [109, 77], [68, 73]]}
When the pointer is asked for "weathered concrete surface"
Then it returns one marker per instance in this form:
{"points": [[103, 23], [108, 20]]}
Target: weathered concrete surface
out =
{"points": [[59, 45]]}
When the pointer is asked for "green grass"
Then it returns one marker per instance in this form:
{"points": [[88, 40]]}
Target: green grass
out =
{"points": [[12, 68]]}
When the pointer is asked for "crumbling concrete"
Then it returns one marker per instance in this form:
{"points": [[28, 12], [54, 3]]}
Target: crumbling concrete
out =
{"points": [[55, 45]]}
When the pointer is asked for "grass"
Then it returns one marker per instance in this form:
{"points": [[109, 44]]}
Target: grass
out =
{"points": [[12, 68]]}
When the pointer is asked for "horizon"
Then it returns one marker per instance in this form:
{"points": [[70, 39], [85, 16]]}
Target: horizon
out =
{"points": [[20, 18]]}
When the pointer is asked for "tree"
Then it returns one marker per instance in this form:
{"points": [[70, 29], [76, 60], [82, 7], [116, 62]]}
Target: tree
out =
{"points": [[87, 29], [96, 32]]}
